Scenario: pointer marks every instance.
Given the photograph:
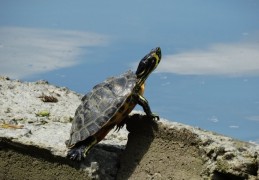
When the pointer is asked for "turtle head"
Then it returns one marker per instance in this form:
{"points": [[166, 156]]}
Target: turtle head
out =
{"points": [[148, 64]]}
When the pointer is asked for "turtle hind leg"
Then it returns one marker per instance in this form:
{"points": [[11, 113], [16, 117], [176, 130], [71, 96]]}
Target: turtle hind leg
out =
{"points": [[76, 153], [121, 124], [80, 151]]}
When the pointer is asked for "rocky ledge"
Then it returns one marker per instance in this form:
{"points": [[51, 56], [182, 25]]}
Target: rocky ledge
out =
{"points": [[35, 120]]}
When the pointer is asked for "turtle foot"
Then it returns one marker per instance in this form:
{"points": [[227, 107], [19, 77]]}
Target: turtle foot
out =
{"points": [[121, 124], [76, 154]]}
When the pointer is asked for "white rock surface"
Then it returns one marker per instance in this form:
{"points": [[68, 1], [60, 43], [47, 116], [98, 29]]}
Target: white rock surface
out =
{"points": [[20, 103]]}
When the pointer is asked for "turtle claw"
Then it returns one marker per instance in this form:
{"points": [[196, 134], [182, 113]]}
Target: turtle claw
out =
{"points": [[118, 127], [154, 117], [121, 124], [79, 153], [76, 154]]}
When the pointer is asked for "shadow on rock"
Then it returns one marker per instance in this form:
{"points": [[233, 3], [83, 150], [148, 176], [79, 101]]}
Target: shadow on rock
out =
{"points": [[101, 163], [141, 135]]}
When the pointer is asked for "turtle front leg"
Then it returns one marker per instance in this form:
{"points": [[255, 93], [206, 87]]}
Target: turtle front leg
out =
{"points": [[142, 101], [79, 152]]}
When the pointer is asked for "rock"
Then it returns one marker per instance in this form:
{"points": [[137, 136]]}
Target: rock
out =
{"points": [[33, 130], [158, 149], [46, 126]]}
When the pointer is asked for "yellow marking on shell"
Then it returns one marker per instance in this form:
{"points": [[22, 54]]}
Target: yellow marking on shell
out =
{"points": [[119, 116], [123, 111], [127, 107], [116, 119]]}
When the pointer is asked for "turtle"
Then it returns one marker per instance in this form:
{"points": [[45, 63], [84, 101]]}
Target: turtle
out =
{"points": [[108, 105]]}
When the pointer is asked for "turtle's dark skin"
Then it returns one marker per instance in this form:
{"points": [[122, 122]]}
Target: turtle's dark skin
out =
{"points": [[108, 105]]}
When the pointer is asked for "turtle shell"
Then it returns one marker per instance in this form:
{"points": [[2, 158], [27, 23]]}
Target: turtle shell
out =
{"points": [[100, 105]]}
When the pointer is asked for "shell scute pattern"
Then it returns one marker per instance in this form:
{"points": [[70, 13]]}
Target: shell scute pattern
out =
{"points": [[100, 105], [101, 120], [92, 128], [84, 133], [74, 139], [110, 111], [85, 97], [119, 86], [104, 105], [96, 99], [79, 123]]}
